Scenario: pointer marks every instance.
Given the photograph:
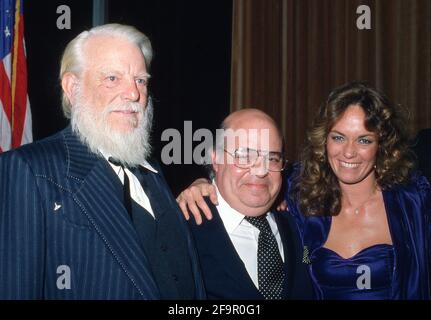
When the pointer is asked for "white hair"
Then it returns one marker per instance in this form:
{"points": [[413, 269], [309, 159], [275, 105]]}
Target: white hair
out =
{"points": [[73, 56]]}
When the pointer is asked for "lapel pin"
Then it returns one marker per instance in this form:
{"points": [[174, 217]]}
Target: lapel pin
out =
{"points": [[56, 206]]}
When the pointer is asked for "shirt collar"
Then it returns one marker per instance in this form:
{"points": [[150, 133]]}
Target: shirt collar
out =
{"points": [[230, 217], [144, 164]]}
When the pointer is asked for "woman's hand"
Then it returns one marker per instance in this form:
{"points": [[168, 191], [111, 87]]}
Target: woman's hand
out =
{"points": [[282, 206], [191, 199]]}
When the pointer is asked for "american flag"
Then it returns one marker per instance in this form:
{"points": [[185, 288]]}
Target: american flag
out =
{"points": [[15, 114]]}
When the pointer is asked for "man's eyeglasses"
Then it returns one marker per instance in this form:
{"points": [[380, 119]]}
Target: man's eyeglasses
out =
{"points": [[245, 158]]}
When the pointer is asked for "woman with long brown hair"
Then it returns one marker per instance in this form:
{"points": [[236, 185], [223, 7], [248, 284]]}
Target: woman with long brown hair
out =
{"points": [[363, 212]]}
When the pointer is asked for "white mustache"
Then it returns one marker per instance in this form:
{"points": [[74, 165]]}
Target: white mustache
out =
{"points": [[130, 107]]}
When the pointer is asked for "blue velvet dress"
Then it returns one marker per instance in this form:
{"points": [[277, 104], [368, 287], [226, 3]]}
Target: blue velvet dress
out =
{"points": [[400, 271], [365, 276]]}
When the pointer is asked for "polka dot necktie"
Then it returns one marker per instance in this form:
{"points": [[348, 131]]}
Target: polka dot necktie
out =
{"points": [[270, 272]]}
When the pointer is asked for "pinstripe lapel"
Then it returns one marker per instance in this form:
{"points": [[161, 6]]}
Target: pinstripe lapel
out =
{"points": [[97, 199]]}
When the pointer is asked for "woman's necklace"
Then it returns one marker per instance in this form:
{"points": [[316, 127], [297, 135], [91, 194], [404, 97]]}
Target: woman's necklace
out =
{"points": [[358, 208]]}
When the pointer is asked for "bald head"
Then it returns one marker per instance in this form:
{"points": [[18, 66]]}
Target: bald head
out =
{"points": [[249, 119]]}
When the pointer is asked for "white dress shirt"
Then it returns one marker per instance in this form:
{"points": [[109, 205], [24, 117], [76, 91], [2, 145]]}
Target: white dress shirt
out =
{"points": [[137, 193], [244, 235]]}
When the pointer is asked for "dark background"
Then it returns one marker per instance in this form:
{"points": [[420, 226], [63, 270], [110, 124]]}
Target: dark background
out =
{"points": [[190, 71]]}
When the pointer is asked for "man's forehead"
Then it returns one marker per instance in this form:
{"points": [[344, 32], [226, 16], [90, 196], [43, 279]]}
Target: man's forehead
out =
{"points": [[258, 138], [101, 55], [108, 45], [103, 39]]}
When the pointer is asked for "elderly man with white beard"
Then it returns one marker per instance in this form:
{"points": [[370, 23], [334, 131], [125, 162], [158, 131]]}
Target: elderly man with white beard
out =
{"points": [[86, 213]]}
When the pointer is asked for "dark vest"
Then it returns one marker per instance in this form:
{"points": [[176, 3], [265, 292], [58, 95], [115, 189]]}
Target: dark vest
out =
{"points": [[162, 240]]}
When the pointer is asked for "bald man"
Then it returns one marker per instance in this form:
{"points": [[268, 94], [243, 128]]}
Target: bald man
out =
{"points": [[247, 251]]}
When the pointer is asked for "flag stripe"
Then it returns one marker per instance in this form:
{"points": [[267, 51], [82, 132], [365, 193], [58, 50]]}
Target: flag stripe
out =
{"points": [[27, 136], [5, 138], [19, 82], [5, 92], [15, 114]]}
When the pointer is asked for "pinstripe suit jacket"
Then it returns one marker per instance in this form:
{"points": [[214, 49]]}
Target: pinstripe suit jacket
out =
{"points": [[65, 234]]}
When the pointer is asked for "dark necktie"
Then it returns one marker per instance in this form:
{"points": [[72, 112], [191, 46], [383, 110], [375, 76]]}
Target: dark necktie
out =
{"points": [[127, 198], [270, 272]]}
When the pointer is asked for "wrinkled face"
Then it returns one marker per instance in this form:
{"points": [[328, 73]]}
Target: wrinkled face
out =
{"points": [[114, 82], [250, 191], [351, 148]]}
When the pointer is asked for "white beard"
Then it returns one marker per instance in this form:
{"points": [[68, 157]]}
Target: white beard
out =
{"points": [[130, 148]]}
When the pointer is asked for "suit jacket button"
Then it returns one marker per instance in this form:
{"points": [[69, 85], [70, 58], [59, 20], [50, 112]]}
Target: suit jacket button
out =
{"points": [[175, 277], [164, 247]]}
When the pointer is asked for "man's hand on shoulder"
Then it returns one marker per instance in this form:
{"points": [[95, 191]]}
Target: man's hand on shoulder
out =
{"points": [[192, 199]]}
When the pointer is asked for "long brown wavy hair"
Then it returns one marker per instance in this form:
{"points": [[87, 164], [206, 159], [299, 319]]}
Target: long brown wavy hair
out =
{"points": [[317, 187]]}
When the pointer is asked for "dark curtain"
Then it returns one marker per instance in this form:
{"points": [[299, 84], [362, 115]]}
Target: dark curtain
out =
{"points": [[288, 54]]}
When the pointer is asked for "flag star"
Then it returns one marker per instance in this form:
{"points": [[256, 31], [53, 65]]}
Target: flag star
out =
{"points": [[7, 32]]}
